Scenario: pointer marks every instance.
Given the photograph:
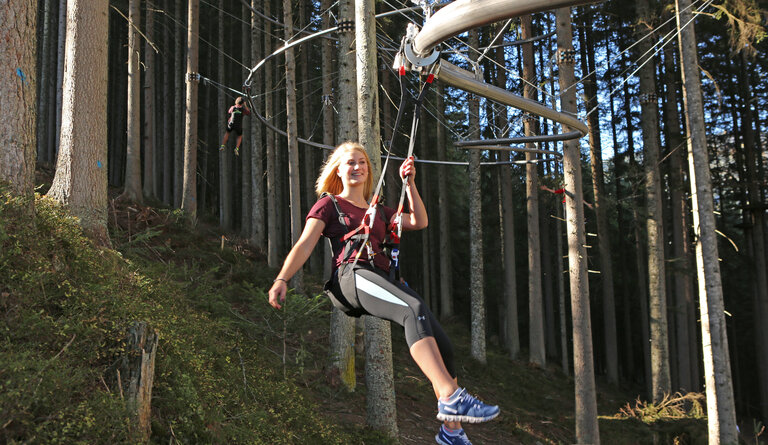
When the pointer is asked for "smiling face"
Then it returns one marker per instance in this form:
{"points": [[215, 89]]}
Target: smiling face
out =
{"points": [[353, 169]]}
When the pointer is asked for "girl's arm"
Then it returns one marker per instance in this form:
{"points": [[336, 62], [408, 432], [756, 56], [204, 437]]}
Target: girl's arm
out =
{"points": [[417, 217], [295, 259]]}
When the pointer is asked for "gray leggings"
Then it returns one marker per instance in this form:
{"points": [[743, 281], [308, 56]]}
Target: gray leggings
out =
{"points": [[371, 291]]}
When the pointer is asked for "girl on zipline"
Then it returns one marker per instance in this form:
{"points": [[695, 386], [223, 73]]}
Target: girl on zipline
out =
{"points": [[235, 123], [362, 285]]}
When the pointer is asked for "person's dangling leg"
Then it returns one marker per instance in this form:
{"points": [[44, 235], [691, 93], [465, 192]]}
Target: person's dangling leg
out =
{"points": [[427, 355], [224, 141], [239, 141], [384, 299]]}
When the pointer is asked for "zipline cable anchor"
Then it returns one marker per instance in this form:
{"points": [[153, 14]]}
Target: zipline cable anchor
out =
{"points": [[345, 25]]}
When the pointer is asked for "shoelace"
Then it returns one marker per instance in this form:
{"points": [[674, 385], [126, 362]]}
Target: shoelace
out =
{"points": [[470, 399]]}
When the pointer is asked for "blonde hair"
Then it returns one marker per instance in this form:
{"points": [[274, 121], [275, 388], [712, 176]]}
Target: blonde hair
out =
{"points": [[239, 100], [330, 182]]}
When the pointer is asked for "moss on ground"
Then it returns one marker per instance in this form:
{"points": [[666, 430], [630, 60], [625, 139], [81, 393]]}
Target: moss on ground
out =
{"points": [[229, 369]]}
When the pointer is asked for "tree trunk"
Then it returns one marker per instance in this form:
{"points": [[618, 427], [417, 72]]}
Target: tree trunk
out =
{"points": [[342, 327], [444, 221], [138, 375], [587, 50], [226, 220], [508, 314], [660, 375], [380, 400], [756, 215], [328, 101], [189, 196], [562, 302], [60, 55], [256, 145], [308, 152], [43, 100], [426, 257], [80, 182], [51, 87], [683, 304], [293, 141], [18, 95], [477, 294], [272, 220], [178, 141], [721, 414], [132, 185], [116, 100], [635, 199], [168, 121], [246, 150], [150, 157], [584, 375], [536, 344], [623, 242]]}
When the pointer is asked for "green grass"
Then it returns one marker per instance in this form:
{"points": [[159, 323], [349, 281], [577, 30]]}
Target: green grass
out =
{"points": [[66, 307], [229, 369]]}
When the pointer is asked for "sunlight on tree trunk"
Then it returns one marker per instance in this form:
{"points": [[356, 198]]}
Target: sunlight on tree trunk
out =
{"points": [[293, 142], [18, 96], [721, 417], [587, 51], [132, 183], [381, 412], [189, 191], [80, 182], [342, 327], [477, 294], [536, 344], [584, 374], [660, 375]]}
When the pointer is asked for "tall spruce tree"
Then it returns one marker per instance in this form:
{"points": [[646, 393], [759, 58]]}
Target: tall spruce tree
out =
{"points": [[721, 413]]}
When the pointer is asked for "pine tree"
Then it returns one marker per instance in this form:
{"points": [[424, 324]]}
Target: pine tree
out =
{"points": [[80, 182]]}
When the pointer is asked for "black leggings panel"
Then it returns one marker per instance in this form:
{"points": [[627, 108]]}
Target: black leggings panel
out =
{"points": [[373, 291]]}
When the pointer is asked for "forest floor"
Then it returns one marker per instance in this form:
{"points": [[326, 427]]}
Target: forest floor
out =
{"points": [[216, 284], [537, 403]]}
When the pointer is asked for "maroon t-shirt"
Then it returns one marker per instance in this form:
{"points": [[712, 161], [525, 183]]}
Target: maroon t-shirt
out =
{"points": [[325, 211]]}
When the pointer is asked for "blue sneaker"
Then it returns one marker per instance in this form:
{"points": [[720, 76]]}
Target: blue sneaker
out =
{"points": [[460, 438], [463, 407]]}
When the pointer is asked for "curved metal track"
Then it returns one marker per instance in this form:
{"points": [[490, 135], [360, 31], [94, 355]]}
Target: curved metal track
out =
{"points": [[463, 15], [461, 78], [397, 158], [449, 21], [282, 49]]}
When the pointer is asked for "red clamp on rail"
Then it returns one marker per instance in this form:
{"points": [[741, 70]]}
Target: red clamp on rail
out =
{"points": [[430, 78], [401, 71]]}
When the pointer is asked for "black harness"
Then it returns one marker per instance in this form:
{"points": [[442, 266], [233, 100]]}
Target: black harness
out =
{"points": [[354, 243]]}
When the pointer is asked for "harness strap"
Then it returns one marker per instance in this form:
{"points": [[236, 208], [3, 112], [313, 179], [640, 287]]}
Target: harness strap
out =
{"points": [[396, 228], [353, 240]]}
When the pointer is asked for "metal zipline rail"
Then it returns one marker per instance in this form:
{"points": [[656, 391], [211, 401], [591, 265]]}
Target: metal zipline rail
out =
{"points": [[463, 15], [457, 77]]}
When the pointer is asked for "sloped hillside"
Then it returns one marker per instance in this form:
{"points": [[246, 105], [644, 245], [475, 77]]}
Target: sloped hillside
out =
{"points": [[229, 369]]}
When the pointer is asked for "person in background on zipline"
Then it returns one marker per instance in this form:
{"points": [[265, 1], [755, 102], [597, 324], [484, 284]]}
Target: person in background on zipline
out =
{"points": [[362, 284], [235, 122]]}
